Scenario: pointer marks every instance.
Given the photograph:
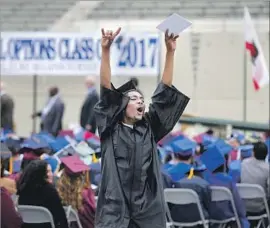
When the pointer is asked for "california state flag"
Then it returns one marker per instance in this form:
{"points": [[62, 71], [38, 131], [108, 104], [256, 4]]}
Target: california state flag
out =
{"points": [[260, 73]]}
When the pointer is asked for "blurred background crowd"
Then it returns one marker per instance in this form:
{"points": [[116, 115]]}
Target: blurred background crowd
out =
{"points": [[50, 148]]}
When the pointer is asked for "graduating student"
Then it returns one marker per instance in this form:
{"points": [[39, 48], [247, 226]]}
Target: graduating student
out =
{"points": [[9, 216], [5, 182], [182, 154], [190, 178], [213, 159], [75, 190], [35, 188], [131, 193]]}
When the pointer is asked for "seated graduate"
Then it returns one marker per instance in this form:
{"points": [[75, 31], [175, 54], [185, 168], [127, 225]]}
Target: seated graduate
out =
{"points": [[35, 188], [7, 183], [255, 170], [95, 173], [183, 151], [131, 186], [214, 160], [75, 190], [31, 149], [267, 142], [53, 162], [9, 216], [14, 145], [234, 167], [191, 180]]}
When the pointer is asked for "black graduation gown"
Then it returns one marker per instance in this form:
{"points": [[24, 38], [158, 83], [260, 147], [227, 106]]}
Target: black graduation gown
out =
{"points": [[131, 192]]}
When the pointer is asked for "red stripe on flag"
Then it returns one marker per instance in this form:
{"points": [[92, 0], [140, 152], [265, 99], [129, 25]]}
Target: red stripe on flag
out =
{"points": [[250, 47], [256, 85]]}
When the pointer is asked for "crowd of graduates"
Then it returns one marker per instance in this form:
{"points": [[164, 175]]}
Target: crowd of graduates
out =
{"points": [[50, 172], [206, 161], [54, 172]]}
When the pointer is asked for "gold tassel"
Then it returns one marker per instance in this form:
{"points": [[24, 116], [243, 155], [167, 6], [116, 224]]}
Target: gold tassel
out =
{"points": [[87, 180], [94, 158], [191, 173], [11, 165]]}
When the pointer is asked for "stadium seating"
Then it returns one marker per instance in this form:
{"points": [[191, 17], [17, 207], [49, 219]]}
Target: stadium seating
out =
{"points": [[31, 15], [187, 8]]}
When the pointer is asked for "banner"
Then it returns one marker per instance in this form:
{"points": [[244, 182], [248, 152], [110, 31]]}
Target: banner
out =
{"points": [[45, 53]]}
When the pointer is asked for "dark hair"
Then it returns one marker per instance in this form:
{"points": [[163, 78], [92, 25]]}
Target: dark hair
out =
{"points": [[210, 131], [202, 148], [33, 177], [2, 168], [223, 167], [53, 90], [260, 150], [25, 163], [182, 158], [137, 90], [135, 81], [168, 158]]}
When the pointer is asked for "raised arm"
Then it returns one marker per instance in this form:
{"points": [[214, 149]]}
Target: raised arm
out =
{"points": [[107, 109], [170, 42], [168, 103], [105, 67]]}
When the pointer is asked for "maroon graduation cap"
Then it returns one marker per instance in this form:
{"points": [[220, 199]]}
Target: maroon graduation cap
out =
{"points": [[74, 165]]}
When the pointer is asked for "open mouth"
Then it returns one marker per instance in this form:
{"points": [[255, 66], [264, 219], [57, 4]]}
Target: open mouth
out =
{"points": [[140, 110]]}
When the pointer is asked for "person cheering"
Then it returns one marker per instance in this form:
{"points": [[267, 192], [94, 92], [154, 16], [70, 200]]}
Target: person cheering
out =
{"points": [[131, 192]]}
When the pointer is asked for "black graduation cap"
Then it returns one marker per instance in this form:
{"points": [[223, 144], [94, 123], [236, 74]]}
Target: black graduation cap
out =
{"points": [[5, 152], [14, 145], [128, 86], [33, 144]]}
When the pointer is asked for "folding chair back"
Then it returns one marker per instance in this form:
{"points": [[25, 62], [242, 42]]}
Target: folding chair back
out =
{"points": [[14, 198], [72, 216], [224, 194], [35, 215], [250, 191], [182, 196], [254, 191]]}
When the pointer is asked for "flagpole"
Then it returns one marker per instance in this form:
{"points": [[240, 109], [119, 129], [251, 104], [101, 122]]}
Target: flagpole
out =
{"points": [[245, 86], [35, 84]]}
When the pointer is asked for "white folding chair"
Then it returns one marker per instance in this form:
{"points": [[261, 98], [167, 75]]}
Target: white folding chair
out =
{"points": [[96, 199], [72, 216], [254, 191], [35, 215], [224, 194], [182, 196]]}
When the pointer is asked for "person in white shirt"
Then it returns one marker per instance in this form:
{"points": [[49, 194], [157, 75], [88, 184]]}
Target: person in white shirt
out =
{"points": [[255, 170]]}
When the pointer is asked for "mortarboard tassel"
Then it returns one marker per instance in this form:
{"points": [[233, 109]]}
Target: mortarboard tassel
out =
{"points": [[191, 173], [11, 165], [94, 158]]}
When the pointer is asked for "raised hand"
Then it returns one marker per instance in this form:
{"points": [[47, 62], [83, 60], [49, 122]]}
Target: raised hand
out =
{"points": [[170, 41], [108, 38]]}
